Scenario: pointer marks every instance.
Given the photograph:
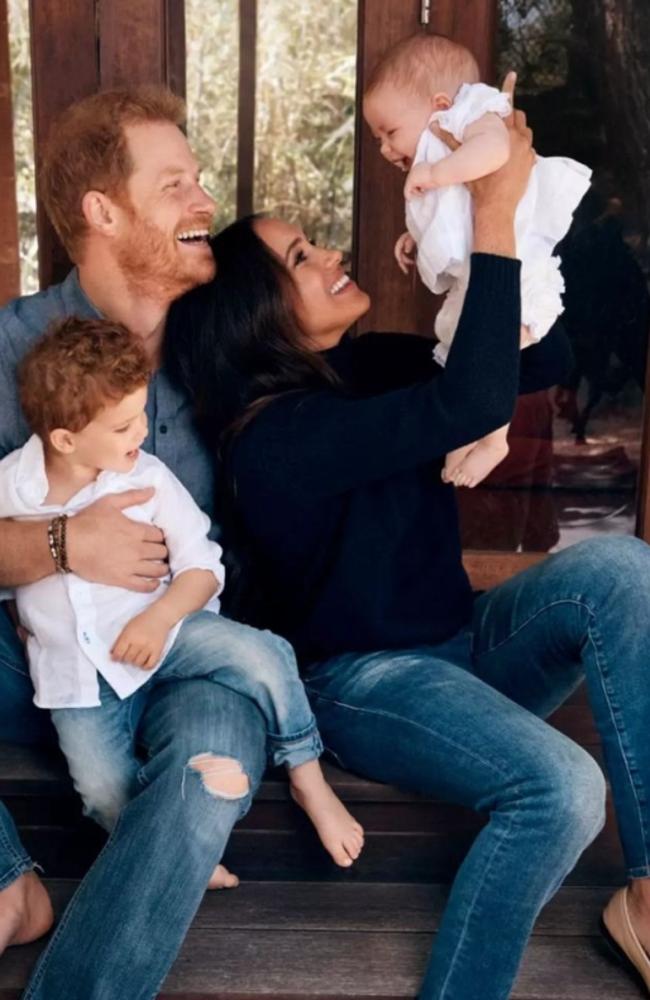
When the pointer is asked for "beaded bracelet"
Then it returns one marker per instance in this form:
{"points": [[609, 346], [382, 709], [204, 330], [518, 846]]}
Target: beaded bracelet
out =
{"points": [[56, 538]]}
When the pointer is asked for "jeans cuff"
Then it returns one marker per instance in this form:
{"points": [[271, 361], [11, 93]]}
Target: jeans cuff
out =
{"points": [[295, 750], [20, 867]]}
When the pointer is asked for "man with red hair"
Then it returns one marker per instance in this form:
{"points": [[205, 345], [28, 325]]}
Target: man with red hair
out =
{"points": [[122, 189]]}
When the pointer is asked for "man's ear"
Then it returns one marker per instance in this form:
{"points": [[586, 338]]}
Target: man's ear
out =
{"points": [[441, 101], [99, 212], [62, 440]]}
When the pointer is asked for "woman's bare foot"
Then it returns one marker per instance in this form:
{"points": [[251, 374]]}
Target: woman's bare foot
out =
{"points": [[221, 878], [339, 832], [25, 911]]}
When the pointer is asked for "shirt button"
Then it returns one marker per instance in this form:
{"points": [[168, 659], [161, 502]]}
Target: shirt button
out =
{"points": [[163, 428]]}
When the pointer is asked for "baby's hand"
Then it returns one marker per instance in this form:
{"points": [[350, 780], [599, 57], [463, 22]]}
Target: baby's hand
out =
{"points": [[142, 639], [405, 252], [419, 180]]}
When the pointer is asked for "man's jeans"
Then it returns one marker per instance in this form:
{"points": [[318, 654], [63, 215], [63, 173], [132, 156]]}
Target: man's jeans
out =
{"points": [[127, 921], [99, 742], [460, 721]]}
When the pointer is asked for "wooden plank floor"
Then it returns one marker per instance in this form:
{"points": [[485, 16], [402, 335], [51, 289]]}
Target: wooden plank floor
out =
{"points": [[320, 942]]}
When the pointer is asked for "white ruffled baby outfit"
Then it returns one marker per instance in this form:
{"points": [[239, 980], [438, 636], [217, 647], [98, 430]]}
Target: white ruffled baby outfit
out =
{"points": [[440, 222]]}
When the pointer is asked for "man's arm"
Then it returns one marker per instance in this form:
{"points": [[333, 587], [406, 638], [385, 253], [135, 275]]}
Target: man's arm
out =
{"points": [[103, 546]]}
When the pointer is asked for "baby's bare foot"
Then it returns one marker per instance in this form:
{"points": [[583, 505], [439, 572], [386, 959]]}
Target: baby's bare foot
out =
{"points": [[339, 832], [25, 911], [221, 878], [479, 463]]}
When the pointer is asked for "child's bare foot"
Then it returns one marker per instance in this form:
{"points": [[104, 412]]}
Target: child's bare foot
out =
{"points": [[484, 456], [339, 832], [25, 911], [221, 878]]}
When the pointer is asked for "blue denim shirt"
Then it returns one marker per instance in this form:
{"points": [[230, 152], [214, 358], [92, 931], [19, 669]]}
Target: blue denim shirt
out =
{"points": [[172, 436]]}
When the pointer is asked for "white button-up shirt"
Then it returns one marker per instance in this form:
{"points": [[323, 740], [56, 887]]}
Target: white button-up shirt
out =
{"points": [[74, 623]]}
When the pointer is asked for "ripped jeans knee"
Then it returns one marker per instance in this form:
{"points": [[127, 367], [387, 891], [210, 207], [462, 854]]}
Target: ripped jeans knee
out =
{"points": [[221, 777]]}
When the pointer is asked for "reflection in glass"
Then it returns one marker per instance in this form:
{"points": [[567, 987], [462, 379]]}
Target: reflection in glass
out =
{"points": [[575, 450]]}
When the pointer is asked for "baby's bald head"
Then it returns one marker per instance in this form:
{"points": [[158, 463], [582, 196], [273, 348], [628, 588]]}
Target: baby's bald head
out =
{"points": [[425, 64]]}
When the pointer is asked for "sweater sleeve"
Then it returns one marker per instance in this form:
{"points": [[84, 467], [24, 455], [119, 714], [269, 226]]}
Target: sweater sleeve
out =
{"points": [[324, 443], [546, 363]]}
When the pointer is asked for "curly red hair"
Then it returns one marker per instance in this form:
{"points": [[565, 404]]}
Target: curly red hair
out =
{"points": [[78, 367]]}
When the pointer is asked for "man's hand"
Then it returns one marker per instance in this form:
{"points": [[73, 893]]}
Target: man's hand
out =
{"points": [[105, 546], [421, 178], [142, 639], [405, 252]]}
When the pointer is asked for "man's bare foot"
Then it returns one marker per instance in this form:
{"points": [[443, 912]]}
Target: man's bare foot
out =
{"points": [[25, 911], [484, 456], [339, 832], [221, 878]]}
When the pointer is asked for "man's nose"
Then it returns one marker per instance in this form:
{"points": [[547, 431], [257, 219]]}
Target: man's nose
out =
{"points": [[203, 202]]}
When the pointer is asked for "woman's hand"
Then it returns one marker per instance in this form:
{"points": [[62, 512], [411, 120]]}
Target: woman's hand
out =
{"points": [[496, 196]]}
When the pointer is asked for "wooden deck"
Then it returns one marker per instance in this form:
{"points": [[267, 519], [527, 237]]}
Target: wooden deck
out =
{"points": [[300, 927]]}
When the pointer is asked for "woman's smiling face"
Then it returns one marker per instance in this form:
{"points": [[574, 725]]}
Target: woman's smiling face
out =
{"points": [[326, 301]]}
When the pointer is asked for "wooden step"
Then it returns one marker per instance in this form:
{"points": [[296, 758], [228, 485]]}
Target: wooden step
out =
{"points": [[314, 941], [409, 838]]}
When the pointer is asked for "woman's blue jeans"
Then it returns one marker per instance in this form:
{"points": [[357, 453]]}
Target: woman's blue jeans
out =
{"points": [[462, 721], [127, 921]]}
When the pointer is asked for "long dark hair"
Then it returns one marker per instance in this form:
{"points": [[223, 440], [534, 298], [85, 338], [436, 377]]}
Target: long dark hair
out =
{"points": [[235, 345]]}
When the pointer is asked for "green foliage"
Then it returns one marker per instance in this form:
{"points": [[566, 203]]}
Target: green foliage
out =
{"points": [[304, 113], [304, 141], [21, 87]]}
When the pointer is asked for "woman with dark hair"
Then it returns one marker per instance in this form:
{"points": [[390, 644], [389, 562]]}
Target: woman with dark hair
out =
{"points": [[330, 452]]}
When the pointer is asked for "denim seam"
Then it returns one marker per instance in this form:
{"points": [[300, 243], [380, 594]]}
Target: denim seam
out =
{"points": [[463, 935], [411, 722], [302, 734], [601, 661], [63, 923], [10, 666], [565, 600]]}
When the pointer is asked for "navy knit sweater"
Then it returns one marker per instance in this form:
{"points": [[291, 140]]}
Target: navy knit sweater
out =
{"points": [[354, 536]]}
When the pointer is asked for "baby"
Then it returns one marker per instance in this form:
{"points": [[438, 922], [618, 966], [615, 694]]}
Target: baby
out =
{"points": [[435, 120], [90, 647]]}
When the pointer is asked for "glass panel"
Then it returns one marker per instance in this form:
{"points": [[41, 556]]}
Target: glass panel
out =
{"points": [[304, 130], [306, 83], [575, 450], [212, 41], [21, 92]]}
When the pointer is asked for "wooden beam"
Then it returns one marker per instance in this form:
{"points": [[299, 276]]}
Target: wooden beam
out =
{"points": [[246, 106], [9, 244], [65, 67]]}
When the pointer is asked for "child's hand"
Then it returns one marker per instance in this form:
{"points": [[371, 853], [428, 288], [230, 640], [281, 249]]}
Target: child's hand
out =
{"points": [[405, 252], [419, 180], [142, 639]]}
